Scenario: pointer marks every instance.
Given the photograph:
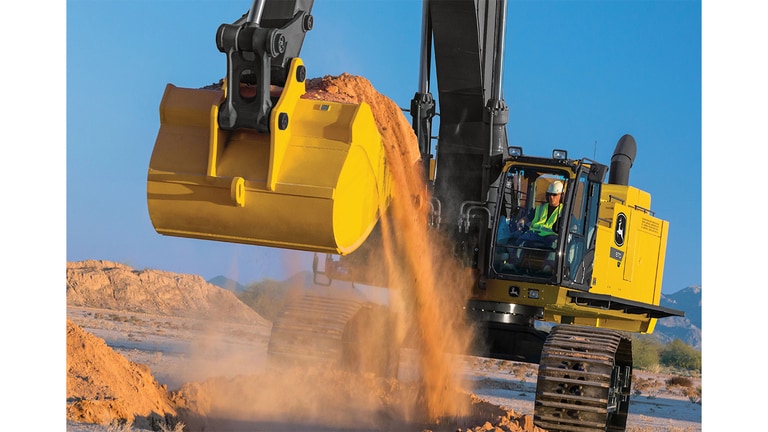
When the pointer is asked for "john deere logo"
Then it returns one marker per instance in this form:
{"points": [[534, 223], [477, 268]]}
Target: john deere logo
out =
{"points": [[621, 229]]}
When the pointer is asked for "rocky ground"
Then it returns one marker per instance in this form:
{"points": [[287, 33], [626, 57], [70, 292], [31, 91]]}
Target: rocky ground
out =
{"points": [[167, 366]]}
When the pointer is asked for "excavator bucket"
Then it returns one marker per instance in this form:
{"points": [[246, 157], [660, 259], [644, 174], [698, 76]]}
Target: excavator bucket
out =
{"points": [[317, 182]]}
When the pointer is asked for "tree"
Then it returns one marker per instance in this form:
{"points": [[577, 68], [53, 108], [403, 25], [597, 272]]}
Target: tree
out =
{"points": [[645, 352], [267, 297], [680, 355]]}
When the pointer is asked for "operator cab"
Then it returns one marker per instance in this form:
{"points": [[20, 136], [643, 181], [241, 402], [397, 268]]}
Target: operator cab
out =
{"points": [[565, 257]]}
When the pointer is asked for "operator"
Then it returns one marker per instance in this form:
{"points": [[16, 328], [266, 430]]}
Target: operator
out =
{"points": [[544, 223]]}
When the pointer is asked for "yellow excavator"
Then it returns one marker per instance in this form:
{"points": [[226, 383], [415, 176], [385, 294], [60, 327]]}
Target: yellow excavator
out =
{"points": [[248, 160]]}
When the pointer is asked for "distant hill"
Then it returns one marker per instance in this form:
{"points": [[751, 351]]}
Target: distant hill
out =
{"points": [[688, 328], [110, 285], [687, 299], [228, 284]]}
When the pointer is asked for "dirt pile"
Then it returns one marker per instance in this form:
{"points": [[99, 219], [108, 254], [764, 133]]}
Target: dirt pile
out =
{"points": [[395, 130], [315, 399], [109, 285], [103, 386]]}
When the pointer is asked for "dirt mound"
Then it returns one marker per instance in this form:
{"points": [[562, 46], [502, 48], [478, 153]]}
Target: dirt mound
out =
{"points": [[104, 387], [110, 285], [323, 399], [395, 130]]}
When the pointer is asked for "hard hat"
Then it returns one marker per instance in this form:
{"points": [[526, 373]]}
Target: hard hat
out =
{"points": [[555, 187]]}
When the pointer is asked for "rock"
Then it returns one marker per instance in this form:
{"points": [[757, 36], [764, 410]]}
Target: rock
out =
{"points": [[109, 285]]}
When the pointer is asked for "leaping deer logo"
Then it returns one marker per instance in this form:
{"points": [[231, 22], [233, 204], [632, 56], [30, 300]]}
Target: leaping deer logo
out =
{"points": [[621, 222]]}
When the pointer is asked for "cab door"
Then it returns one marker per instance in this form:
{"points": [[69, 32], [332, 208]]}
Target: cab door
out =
{"points": [[579, 251]]}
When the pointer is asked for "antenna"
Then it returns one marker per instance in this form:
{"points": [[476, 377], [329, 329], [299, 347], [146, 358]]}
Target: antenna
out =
{"points": [[594, 151]]}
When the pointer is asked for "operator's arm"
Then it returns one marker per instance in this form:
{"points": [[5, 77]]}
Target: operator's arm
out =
{"points": [[556, 226], [524, 219]]}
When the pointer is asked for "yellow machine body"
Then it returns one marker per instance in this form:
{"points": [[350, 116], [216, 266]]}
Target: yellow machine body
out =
{"points": [[630, 248], [638, 261], [631, 264], [318, 184]]}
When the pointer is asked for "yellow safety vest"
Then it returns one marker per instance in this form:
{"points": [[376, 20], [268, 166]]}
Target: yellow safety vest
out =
{"points": [[542, 224]]}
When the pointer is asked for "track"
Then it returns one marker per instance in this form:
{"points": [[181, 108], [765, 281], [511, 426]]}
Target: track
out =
{"points": [[584, 380], [351, 334], [309, 330]]}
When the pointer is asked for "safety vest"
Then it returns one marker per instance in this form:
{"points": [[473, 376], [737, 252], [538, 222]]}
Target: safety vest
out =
{"points": [[542, 224]]}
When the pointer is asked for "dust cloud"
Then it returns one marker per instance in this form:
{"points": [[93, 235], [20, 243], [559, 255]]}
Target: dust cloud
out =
{"points": [[427, 292]]}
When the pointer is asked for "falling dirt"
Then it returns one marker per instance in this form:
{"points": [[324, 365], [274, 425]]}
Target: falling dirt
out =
{"points": [[428, 287]]}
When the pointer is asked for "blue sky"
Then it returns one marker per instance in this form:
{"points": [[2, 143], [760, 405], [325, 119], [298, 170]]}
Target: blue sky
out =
{"points": [[577, 75]]}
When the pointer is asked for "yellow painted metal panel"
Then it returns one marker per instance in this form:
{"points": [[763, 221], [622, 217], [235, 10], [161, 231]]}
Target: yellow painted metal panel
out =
{"points": [[319, 184], [631, 267]]}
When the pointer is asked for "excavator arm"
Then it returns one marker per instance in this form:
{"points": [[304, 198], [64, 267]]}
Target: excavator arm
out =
{"points": [[472, 137], [259, 48]]}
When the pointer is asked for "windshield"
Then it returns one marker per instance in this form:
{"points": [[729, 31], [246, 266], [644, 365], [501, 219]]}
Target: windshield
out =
{"points": [[529, 221]]}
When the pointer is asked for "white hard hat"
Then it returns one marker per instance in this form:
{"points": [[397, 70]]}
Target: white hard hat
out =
{"points": [[555, 187]]}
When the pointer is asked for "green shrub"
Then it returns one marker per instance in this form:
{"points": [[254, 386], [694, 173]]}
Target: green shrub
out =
{"points": [[679, 355], [266, 297], [645, 353]]}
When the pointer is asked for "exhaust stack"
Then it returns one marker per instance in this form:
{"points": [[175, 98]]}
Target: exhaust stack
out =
{"points": [[621, 161]]}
